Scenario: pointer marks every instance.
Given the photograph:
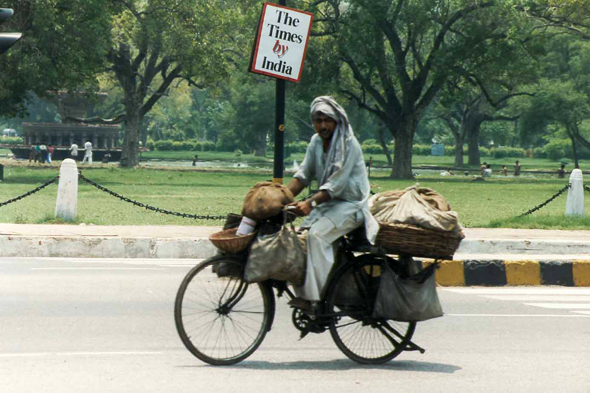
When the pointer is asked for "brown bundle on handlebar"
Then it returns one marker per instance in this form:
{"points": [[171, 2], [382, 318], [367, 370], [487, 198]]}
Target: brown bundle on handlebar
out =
{"points": [[265, 200]]}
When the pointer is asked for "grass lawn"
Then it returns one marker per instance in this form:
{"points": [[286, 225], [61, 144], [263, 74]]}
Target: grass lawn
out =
{"points": [[492, 203], [379, 160]]}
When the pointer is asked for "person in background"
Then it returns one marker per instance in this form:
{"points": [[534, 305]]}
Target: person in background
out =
{"points": [[505, 170], [38, 157], [483, 167], [44, 153], [106, 157], [195, 160], [74, 151], [88, 152], [334, 158], [49, 153], [487, 172], [33, 154], [561, 172], [517, 168]]}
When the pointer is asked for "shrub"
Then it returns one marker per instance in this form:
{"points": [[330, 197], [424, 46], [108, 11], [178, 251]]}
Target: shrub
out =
{"points": [[150, 144], [557, 148], [502, 152], [11, 140], [238, 153], [372, 149], [367, 142], [298, 147], [421, 150], [164, 145], [208, 146]]}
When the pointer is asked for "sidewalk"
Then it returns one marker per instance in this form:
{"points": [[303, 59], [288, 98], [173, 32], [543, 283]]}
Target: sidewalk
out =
{"points": [[485, 257]]}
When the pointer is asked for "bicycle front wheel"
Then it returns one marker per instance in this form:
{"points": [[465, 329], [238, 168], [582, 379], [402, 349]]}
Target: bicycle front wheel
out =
{"points": [[349, 305], [221, 319]]}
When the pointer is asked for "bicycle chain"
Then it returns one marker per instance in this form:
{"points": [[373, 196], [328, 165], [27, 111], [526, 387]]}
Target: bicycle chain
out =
{"points": [[148, 207], [534, 209], [18, 198]]}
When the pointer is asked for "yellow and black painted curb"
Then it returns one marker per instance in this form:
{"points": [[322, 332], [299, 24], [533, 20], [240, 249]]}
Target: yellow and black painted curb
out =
{"points": [[512, 272]]}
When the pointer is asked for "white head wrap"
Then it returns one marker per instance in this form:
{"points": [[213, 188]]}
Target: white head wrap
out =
{"points": [[337, 151]]}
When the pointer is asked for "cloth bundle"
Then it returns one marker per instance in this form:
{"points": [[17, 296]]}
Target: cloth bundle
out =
{"points": [[422, 207], [265, 200]]}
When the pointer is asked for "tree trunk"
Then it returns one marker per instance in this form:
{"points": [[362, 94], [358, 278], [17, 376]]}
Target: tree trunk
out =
{"points": [[574, 147], [473, 126], [384, 146], [129, 156], [458, 150], [402, 152]]}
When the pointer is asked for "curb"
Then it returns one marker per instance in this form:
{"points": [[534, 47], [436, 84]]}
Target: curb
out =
{"points": [[105, 247], [564, 272]]}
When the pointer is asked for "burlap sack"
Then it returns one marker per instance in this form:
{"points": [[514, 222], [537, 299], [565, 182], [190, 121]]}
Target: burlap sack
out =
{"points": [[419, 206], [265, 200]]}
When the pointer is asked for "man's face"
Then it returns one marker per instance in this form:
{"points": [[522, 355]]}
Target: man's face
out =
{"points": [[324, 126]]}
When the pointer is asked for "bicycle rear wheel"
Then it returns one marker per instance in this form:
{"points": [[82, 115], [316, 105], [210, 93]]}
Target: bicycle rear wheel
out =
{"points": [[221, 319], [349, 305]]}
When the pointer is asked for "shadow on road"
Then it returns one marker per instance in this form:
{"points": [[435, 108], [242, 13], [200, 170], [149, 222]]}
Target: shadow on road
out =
{"points": [[344, 364]]}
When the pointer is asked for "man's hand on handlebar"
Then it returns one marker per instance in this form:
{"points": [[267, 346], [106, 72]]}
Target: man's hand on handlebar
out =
{"points": [[302, 208]]}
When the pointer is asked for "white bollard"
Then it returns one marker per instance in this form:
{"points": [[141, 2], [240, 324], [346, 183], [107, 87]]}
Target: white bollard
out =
{"points": [[66, 206], [575, 195]]}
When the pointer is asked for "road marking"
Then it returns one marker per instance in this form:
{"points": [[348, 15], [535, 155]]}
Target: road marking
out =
{"points": [[519, 291], [541, 298], [520, 315], [582, 312], [572, 306], [95, 268], [40, 354]]}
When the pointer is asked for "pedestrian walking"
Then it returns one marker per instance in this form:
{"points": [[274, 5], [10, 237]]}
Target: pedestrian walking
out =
{"points": [[88, 153]]}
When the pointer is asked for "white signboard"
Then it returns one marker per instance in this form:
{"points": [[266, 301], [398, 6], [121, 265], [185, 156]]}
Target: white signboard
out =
{"points": [[281, 42]]}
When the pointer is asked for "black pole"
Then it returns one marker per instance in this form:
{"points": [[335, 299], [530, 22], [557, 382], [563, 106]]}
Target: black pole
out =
{"points": [[279, 158]]}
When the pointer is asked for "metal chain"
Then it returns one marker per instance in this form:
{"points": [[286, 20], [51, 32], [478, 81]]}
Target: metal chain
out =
{"points": [[534, 209], [148, 207], [18, 198], [587, 188]]}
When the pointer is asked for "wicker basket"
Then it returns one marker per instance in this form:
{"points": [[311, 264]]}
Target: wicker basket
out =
{"points": [[228, 241], [416, 241]]}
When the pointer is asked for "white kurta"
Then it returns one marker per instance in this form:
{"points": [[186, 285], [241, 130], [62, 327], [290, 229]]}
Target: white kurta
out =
{"points": [[350, 190], [575, 195]]}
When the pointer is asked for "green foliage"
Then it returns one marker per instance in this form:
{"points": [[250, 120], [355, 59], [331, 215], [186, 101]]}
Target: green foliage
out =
{"points": [[501, 152], [11, 140], [164, 145], [63, 48], [372, 149], [421, 150]]}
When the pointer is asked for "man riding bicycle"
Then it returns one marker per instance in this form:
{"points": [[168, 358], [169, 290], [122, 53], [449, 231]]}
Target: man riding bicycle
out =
{"points": [[335, 159]]}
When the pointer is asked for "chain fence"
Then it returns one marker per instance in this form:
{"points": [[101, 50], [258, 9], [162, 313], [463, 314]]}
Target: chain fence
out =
{"points": [[538, 207], [587, 188], [18, 198], [148, 207]]}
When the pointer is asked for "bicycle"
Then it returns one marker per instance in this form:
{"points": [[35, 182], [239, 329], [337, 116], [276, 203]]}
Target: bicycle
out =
{"points": [[222, 319]]}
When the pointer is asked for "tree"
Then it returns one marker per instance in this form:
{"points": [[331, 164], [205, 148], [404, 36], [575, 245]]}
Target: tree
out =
{"points": [[54, 51], [158, 42], [408, 51]]}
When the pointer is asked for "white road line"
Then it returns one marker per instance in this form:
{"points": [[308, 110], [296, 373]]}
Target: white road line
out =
{"points": [[582, 312], [572, 306], [40, 354], [96, 268], [541, 298], [520, 291], [519, 315]]}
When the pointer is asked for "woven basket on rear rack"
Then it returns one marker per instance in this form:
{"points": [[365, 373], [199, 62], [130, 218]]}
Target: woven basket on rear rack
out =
{"points": [[417, 241], [228, 241]]}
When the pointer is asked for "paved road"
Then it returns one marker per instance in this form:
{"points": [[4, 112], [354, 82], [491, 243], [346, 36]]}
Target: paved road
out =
{"points": [[75, 325]]}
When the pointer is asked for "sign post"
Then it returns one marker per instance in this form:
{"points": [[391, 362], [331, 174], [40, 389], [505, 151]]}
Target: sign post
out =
{"points": [[279, 52]]}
